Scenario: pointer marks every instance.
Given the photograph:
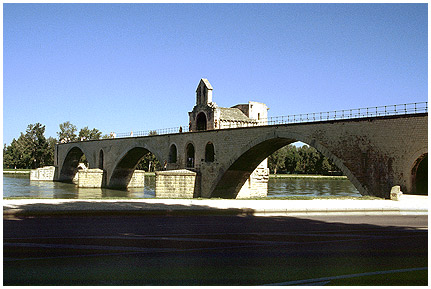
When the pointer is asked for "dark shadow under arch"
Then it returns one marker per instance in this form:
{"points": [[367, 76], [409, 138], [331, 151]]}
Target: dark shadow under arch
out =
{"points": [[420, 176], [123, 172], [70, 165]]}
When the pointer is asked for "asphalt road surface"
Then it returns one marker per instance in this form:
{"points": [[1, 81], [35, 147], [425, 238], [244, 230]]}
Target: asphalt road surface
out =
{"points": [[216, 250]]}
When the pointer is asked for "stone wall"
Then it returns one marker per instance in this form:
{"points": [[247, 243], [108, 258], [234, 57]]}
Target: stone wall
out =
{"points": [[177, 184], [90, 178], [137, 180], [256, 185], [42, 174]]}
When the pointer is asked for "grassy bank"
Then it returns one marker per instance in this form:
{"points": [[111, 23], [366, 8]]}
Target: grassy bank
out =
{"points": [[17, 171], [293, 176], [290, 176]]}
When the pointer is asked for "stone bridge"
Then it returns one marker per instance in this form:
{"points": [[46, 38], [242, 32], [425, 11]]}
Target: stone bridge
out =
{"points": [[375, 153]]}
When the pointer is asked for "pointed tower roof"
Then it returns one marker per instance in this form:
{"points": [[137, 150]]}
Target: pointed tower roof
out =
{"points": [[205, 82]]}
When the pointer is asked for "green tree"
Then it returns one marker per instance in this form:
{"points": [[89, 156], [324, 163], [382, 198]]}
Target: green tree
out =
{"points": [[291, 159], [149, 163], [276, 160], [30, 150], [326, 166], [16, 155], [87, 134], [50, 152], [8, 161], [37, 145], [303, 160], [67, 132]]}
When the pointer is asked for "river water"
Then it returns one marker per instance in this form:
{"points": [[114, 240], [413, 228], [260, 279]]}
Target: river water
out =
{"points": [[21, 186]]}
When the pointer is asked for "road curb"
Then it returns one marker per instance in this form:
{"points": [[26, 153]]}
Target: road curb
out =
{"points": [[23, 208]]}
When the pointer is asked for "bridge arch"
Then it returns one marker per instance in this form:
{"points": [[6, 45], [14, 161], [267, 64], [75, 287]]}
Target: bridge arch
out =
{"points": [[240, 167], [125, 166], [69, 167]]}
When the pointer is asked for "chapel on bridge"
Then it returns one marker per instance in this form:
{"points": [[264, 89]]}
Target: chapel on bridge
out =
{"points": [[207, 115]]}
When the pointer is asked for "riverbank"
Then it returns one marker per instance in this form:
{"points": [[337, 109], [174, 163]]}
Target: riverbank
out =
{"points": [[293, 176], [273, 176], [18, 171]]}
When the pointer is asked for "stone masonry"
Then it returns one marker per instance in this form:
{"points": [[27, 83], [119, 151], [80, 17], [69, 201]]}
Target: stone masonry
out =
{"points": [[176, 184], [90, 178], [42, 174], [207, 115], [374, 153]]}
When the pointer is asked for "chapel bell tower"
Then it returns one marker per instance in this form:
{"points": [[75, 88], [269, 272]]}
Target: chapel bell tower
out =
{"points": [[204, 92]]}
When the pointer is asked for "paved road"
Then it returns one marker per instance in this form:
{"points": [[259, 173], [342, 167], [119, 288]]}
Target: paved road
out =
{"points": [[216, 250]]}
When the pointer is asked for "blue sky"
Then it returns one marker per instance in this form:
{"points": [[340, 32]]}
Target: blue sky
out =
{"points": [[124, 67]]}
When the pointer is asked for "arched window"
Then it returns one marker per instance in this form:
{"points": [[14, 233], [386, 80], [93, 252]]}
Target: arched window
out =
{"points": [[101, 159], [173, 154], [209, 152], [201, 121], [421, 176], [190, 158]]}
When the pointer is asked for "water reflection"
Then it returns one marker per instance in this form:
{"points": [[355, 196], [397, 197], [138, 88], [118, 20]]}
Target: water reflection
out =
{"points": [[21, 186], [310, 187]]}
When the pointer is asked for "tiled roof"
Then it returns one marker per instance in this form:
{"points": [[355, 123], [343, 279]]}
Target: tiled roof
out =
{"points": [[233, 114]]}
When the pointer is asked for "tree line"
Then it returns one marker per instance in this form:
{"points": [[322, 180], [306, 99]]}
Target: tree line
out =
{"points": [[33, 150], [301, 160]]}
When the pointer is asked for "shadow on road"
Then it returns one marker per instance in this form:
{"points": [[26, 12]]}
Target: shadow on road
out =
{"points": [[171, 244]]}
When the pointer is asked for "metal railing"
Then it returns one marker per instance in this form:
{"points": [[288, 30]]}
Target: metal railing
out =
{"points": [[387, 110], [377, 111], [153, 132]]}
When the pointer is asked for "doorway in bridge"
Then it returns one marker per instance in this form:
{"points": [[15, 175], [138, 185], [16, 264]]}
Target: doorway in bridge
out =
{"points": [[209, 152], [190, 157], [173, 154], [420, 176], [201, 121], [101, 159]]}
